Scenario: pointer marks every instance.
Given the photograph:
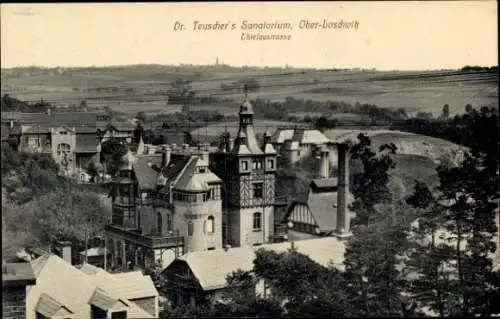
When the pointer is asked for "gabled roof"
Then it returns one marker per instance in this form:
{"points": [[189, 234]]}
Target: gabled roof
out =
{"points": [[49, 307], [301, 136], [102, 300], [174, 168], [124, 126], [321, 205], [17, 274], [211, 267], [73, 288], [35, 128], [146, 176]]}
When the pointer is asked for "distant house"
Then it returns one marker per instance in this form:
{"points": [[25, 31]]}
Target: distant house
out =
{"points": [[298, 143], [201, 274], [64, 291], [16, 278]]}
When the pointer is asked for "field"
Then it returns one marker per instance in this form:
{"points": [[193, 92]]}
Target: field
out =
{"points": [[143, 88]]}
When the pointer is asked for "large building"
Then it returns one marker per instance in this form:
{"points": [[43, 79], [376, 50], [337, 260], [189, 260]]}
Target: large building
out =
{"points": [[189, 199], [71, 138], [249, 173]]}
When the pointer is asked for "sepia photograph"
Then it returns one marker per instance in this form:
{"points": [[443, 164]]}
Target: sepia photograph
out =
{"points": [[250, 159]]}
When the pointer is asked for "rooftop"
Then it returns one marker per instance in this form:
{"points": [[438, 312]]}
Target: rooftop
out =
{"points": [[17, 274], [302, 136], [212, 267], [63, 286]]}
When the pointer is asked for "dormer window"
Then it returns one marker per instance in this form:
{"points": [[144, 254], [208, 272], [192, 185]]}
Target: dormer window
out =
{"points": [[202, 170]]}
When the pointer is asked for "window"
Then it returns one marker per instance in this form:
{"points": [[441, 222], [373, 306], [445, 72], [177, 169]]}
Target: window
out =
{"points": [[258, 190], [202, 170], [210, 224], [170, 222], [211, 248], [257, 221], [244, 165], [270, 163], [190, 228], [256, 164], [33, 141], [63, 133], [63, 148], [159, 223]]}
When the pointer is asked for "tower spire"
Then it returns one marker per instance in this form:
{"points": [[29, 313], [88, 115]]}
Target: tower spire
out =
{"points": [[245, 89]]}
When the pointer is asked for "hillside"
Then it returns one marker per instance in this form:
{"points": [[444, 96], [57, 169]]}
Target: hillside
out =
{"points": [[407, 143]]}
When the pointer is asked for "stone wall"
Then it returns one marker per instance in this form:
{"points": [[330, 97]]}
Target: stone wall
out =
{"points": [[14, 302]]}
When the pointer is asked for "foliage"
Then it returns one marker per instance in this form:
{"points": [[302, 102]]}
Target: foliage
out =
{"points": [[456, 267], [39, 206], [329, 109], [9, 103], [112, 152], [372, 254], [181, 92]]}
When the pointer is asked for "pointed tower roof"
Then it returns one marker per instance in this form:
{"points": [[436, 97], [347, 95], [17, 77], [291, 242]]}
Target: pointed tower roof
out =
{"points": [[267, 146], [240, 145]]}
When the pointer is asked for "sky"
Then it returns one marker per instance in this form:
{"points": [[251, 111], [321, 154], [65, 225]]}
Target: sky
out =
{"points": [[390, 36]]}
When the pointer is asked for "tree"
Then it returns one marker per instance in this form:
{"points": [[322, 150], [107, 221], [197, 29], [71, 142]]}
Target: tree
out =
{"points": [[427, 257], [446, 112], [372, 253], [470, 195]]}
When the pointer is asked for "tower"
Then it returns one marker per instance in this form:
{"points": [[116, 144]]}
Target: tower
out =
{"points": [[125, 195], [248, 170]]}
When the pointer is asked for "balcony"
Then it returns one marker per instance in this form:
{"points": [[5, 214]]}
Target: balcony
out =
{"points": [[153, 242]]}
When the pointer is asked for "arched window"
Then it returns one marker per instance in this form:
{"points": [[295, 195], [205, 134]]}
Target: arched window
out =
{"points": [[159, 223], [63, 148], [257, 221], [190, 228], [210, 224]]}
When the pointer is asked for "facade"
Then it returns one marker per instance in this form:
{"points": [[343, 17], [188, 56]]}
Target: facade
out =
{"points": [[248, 171], [173, 200], [324, 210], [70, 138], [64, 291], [16, 278], [197, 275], [163, 206]]}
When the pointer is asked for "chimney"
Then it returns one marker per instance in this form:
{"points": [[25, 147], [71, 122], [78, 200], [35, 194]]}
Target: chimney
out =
{"points": [[65, 250], [324, 169], [343, 222], [166, 155]]}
